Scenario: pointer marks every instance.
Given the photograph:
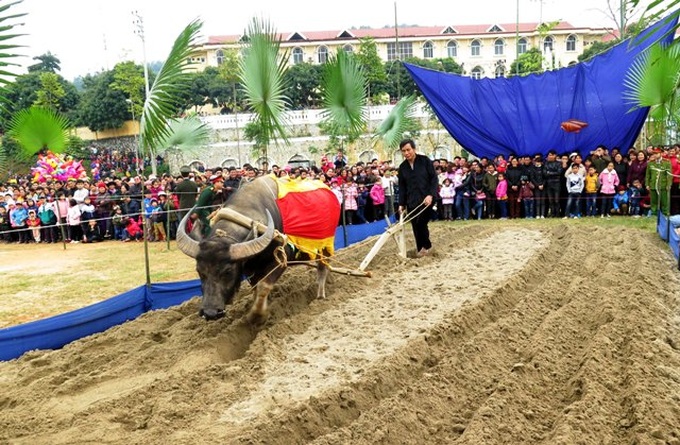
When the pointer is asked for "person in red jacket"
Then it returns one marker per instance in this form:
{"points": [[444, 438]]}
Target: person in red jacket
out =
{"points": [[132, 231]]}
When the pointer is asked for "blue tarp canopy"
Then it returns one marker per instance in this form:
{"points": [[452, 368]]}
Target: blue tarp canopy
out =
{"points": [[522, 115]]}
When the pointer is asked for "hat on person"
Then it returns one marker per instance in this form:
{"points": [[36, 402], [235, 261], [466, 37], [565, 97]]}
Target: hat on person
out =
{"points": [[656, 150], [573, 155], [216, 178], [101, 185], [161, 194]]}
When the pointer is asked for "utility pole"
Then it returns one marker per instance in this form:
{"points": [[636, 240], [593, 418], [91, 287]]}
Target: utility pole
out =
{"points": [[398, 50], [517, 42], [138, 22]]}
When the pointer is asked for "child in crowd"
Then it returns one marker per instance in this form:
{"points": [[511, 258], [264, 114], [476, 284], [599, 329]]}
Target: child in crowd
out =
{"points": [[351, 192], [362, 202], [118, 221], [17, 218], [93, 232], [4, 225], [575, 184], [133, 231], [591, 186], [48, 219], [621, 199], [157, 217], [502, 195], [526, 194], [378, 197], [447, 193], [33, 223], [75, 231], [609, 181], [634, 197]]}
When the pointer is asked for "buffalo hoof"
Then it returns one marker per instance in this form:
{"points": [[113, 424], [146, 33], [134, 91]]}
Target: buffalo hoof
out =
{"points": [[211, 314], [257, 318]]}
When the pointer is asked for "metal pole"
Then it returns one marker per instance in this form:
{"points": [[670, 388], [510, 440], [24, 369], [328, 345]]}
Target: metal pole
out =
{"points": [[398, 51], [517, 41]]}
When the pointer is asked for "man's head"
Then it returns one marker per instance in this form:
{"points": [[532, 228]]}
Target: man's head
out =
{"points": [[408, 149]]}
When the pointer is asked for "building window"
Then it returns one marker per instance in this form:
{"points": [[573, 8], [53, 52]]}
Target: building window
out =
{"points": [[475, 48], [298, 56], [452, 49], [498, 47], [500, 71], [428, 50], [548, 44], [322, 55], [405, 51], [220, 56], [522, 46], [571, 43], [348, 49], [477, 72]]}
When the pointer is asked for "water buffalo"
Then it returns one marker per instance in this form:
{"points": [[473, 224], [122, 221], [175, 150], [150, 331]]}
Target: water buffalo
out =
{"points": [[231, 251]]}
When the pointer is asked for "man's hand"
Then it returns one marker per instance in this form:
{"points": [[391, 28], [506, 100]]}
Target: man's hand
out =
{"points": [[400, 209], [428, 200]]}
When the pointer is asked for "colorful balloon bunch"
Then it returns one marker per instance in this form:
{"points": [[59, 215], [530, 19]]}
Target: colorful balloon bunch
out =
{"points": [[52, 166]]}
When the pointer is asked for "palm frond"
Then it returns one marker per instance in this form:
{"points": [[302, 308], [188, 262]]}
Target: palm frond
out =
{"points": [[38, 128], [163, 96], [7, 35], [652, 80], [399, 121], [344, 93], [186, 134], [262, 74]]}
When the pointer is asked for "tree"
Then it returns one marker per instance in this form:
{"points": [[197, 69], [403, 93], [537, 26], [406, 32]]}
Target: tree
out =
{"points": [[262, 74], [595, 49], [48, 63], [128, 78], [528, 63], [51, 92], [102, 107], [305, 85], [373, 67]]}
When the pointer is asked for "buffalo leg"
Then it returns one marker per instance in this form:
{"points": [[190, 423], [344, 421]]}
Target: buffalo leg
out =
{"points": [[259, 311], [321, 275]]}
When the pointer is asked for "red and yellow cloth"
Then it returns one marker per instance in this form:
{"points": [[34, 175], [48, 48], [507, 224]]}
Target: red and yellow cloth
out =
{"points": [[310, 213]]}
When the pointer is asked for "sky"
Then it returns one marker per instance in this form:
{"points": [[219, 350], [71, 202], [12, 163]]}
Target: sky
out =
{"points": [[90, 36]]}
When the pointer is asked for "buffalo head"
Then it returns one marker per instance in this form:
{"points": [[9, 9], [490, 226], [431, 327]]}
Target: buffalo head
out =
{"points": [[219, 261]]}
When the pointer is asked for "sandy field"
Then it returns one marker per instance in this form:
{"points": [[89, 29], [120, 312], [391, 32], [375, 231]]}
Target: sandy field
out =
{"points": [[509, 334]]}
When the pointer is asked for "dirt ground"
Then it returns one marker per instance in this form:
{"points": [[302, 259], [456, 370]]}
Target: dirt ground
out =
{"points": [[509, 334]]}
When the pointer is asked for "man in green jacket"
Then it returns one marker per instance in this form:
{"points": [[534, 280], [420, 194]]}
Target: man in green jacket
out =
{"points": [[211, 197], [658, 181]]}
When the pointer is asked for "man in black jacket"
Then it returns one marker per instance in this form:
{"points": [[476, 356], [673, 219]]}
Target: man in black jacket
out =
{"points": [[553, 181], [418, 187]]}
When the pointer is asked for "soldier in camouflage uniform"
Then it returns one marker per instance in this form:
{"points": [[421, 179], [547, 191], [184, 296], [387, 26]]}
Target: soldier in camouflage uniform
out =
{"points": [[658, 181]]}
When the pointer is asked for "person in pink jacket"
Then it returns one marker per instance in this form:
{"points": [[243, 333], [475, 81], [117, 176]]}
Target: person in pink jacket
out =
{"points": [[502, 195], [378, 197], [609, 180]]}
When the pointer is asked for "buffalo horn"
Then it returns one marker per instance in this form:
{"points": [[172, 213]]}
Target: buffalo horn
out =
{"points": [[185, 243], [251, 248]]}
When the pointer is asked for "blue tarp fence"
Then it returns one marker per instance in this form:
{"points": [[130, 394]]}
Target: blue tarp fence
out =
{"points": [[57, 331]]}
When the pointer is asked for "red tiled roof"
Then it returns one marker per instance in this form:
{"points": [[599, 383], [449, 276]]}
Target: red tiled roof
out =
{"points": [[411, 31]]}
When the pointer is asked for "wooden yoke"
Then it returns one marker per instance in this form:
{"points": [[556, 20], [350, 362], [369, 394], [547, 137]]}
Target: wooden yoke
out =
{"points": [[244, 221]]}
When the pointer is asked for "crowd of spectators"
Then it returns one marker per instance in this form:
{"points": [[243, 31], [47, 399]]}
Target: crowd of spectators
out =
{"points": [[122, 205]]}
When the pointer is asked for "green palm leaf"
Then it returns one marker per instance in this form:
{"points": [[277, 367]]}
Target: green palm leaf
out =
{"points": [[38, 128], [344, 94], [261, 72], [186, 134], [654, 78], [162, 102], [400, 120], [7, 26]]}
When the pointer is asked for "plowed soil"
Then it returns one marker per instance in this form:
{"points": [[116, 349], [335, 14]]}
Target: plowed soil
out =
{"points": [[508, 334]]}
